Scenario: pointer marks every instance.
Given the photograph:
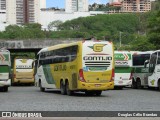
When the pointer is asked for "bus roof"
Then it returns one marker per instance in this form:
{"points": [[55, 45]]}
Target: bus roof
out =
{"points": [[66, 45], [122, 52], [4, 50], [142, 52]]}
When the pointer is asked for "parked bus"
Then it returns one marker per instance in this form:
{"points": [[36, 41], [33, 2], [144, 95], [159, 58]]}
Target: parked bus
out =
{"points": [[85, 66], [123, 69], [23, 71], [5, 70], [140, 72], [154, 70]]}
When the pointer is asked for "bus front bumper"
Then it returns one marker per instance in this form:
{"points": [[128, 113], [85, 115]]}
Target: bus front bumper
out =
{"points": [[5, 83], [96, 86], [23, 80], [122, 82]]}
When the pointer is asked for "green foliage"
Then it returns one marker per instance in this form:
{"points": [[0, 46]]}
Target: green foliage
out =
{"points": [[142, 44], [140, 31], [69, 34], [27, 31], [104, 25], [53, 24], [154, 30]]}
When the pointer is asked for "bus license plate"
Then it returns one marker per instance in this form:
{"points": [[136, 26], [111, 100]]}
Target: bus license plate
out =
{"points": [[97, 85], [120, 82]]}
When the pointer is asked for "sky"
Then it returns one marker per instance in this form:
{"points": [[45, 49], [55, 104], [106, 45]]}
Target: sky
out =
{"points": [[60, 3]]}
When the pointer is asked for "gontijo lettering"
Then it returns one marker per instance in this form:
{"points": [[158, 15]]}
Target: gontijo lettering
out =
{"points": [[97, 58]]}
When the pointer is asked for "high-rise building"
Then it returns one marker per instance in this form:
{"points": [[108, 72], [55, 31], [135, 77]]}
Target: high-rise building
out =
{"points": [[42, 4], [76, 5], [22, 11], [2, 4], [2, 13]]}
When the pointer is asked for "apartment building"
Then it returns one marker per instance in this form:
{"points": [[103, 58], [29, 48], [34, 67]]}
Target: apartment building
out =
{"points": [[76, 6], [136, 5], [2, 14], [23, 11], [132, 5], [2, 5]]}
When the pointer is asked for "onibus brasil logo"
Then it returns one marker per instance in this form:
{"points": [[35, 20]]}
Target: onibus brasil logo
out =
{"points": [[97, 47]]}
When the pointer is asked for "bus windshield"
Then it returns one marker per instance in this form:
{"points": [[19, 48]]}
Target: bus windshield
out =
{"points": [[24, 65], [138, 60]]}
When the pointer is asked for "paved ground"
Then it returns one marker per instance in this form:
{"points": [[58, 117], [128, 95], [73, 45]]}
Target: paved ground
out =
{"points": [[26, 98]]}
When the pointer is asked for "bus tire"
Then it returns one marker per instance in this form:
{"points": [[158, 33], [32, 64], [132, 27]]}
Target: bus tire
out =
{"points": [[134, 84], [62, 88], [159, 85], [5, 89], [139, 84], [89, 93], [98, 93], [41, 88], [69, 92]]}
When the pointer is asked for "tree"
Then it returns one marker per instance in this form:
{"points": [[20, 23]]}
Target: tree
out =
{"points": [[141, 44], [154, 30], [54, 24]]}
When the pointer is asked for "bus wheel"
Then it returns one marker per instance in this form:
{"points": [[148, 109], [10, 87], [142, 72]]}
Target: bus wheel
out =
{"points": [[41, 88], [63, 88], [134, 84], [98, 93], [159, 85], [89, 93], [69, 92], [139, 84], [5, 89]]}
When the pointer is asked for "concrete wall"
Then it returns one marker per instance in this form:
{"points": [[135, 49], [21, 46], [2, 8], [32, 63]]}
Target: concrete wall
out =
{"points": [[31, 44]]}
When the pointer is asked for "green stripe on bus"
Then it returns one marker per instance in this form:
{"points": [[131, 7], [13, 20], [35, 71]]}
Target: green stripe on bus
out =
{"points": [[120, 56], [4, 69], [48, 74], [123, 69]]}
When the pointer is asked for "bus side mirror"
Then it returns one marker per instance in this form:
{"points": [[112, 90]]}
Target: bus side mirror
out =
{"points": [[146, 63]]}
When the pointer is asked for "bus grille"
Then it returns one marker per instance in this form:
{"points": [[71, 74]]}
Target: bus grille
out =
{"points": [[97, 64]]}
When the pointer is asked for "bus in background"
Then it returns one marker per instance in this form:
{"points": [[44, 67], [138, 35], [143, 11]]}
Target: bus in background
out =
{"points": [[154, 70], [85, 66], [123, 69], [23, 71], [5, 70], [140, 72]]}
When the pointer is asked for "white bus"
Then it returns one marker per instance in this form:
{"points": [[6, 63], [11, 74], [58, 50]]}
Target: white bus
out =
{"points": [[154, 70], [140, 72], [123, 69], [86, 66], [5, 70]]}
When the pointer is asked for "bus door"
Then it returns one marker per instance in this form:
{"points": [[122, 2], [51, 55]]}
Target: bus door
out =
{"points": [[152, 70]]}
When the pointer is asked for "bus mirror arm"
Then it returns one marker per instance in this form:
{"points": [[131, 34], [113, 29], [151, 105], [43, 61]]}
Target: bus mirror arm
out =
{"points": [[145, 63]]}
